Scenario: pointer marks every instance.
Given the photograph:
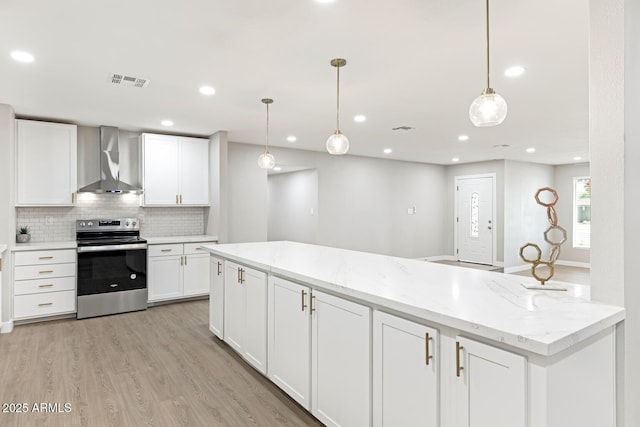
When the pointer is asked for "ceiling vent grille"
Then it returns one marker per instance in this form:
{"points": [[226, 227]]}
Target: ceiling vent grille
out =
{"points": [[123, 80]]}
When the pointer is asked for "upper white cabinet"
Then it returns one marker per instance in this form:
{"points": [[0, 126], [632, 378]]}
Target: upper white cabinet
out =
{"points": [[175, 170], [45, 163]]}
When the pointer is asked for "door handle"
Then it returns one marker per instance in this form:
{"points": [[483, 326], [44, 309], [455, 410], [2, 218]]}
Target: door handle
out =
{"points": [[489, 228]]}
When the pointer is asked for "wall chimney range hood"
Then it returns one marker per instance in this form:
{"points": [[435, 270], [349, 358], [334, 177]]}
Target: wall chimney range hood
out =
{"points": [[110, 166]]}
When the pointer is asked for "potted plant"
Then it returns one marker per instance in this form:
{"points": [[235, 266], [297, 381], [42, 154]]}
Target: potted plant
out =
{"points": [[22, 235]]}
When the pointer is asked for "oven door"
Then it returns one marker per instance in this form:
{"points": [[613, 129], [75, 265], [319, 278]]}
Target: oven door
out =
{"points": [[114, 268]]}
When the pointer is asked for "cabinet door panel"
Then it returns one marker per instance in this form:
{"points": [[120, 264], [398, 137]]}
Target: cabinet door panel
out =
{"points": [[216, 297], [234, 307], [405, 387], [289, 334], [196, 275], [194, 171], [492, 387], [160, 169], [340, 361], [255, 336], [165, 278]]}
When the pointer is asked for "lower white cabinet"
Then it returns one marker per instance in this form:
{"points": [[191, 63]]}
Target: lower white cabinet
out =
{"points": [[245, 313], [490, 386], [406, 366], [216, 297], [177, 270], [44, 283], [319, 352]]}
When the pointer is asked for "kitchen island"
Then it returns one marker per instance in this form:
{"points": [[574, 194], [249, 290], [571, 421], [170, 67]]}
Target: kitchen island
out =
{"points": [[487, 350]]}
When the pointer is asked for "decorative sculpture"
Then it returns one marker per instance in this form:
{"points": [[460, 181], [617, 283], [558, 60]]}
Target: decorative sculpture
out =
{"points": [[550, 236]]}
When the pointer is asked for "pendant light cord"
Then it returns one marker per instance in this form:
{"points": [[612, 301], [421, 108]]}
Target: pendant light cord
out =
{"points": [[338, 100], [487, 18], [266, 148]]}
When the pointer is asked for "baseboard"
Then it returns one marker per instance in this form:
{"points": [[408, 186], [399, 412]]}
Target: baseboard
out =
{"points": [[6, 327], [574, 264]]}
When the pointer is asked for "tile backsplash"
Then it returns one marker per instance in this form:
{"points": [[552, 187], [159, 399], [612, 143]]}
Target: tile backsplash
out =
{"points": [[51, 224]]}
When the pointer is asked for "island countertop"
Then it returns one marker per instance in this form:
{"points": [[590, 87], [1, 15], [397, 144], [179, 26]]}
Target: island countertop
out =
{"points": [[482, 303]]}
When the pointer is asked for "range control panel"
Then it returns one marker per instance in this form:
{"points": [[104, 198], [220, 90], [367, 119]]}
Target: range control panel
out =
{"points": [[122, 224]]}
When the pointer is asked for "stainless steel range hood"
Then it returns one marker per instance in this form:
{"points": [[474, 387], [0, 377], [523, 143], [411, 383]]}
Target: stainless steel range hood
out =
{"points": [[109, 166]]}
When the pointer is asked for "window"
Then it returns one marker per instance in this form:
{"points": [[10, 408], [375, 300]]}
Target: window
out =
{"points": [[582, 212]]}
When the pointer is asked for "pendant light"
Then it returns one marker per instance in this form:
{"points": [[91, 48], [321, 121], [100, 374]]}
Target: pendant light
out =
{"points": [[489, 109], [266, 159], [337, 143]]}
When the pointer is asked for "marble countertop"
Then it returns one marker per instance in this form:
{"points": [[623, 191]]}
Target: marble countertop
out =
{"points": [[482, 303], [180, 239], [37, 246]]}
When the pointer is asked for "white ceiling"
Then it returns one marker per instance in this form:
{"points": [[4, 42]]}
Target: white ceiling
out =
{"points": [[417, 63]]}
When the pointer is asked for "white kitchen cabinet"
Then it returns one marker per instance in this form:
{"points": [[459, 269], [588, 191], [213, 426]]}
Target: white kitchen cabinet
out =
{"points": [[406, 364], [44, 283], [490, 386], [175, 170], [46, 157], [289, 339], [340, 361], [245, 313], [177, 270], [216, 297]]}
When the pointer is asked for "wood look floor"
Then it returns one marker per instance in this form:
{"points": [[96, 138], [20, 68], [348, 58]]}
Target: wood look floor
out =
{"points": [[159, 367]]}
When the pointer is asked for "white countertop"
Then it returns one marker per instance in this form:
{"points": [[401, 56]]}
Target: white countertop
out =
{"points": [[483, 303], [37, 246], [180, 239]]}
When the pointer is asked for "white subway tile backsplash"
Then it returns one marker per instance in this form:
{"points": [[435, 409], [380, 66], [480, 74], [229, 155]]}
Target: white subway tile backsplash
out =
{"points": [[154, 222]]}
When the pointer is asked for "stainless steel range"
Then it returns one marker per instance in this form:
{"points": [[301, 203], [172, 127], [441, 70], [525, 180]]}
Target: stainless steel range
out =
{"points": [[112, 267]]}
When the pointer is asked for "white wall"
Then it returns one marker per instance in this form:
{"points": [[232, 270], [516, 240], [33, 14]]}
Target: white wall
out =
{"points": [[563, 183], [293, 206], [7, 211]]}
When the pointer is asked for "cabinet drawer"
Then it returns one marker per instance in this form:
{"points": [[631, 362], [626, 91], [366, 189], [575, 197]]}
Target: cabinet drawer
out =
{"points": [[24, 287], [162, 250], [196, 248], [45, 257], [45, 304], [28, 272]]}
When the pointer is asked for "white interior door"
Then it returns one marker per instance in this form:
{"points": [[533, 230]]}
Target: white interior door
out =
{"points": [[475, 219]]}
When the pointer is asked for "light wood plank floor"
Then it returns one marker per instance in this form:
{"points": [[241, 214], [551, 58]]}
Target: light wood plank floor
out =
{"points": [[159, 367]]}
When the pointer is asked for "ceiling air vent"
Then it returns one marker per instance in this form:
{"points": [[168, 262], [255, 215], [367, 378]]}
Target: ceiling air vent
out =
{"points": [[121, 79], [403, 128]]}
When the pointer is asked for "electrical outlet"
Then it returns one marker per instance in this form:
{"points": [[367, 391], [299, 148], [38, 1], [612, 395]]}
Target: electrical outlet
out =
{"points": [[48, 220]]}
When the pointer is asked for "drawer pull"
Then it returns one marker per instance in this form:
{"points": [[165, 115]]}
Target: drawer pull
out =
{"points": [[114, 285], [428, 355], [45, 257], [45, 272], [46, 286], [219, 268], [166, 250], [459, 368], [45, 304]]}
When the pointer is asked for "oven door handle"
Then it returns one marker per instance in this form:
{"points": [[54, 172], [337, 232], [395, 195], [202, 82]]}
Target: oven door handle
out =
{"points": [[126, 247]]}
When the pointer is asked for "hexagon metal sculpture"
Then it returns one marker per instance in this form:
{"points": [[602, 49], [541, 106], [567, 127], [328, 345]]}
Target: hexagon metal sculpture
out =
{"points": [[537, 264]]}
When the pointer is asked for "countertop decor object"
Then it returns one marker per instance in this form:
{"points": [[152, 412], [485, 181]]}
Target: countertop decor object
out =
{"points": [[266, 159], [22, 234]]}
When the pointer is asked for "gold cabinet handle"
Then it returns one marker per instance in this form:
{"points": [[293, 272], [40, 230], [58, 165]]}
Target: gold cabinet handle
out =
{"points": [[45, 272], [239, 275], [185, 260], [242, 275], [46, 286], [177, 200], [428, 356], [311, 308], [219, 268], [166, 250], [181, 260], [181, 199], [73, 197], [303, 304], [45, 257], [459, 368], [45, 304]]}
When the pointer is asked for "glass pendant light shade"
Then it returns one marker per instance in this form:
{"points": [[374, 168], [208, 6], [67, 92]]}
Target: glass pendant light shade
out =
{"points": [[337, 144], [266, 160], [489, 109]]}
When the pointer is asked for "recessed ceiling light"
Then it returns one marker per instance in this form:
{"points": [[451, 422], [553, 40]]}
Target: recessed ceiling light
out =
{"points": [[277, 168], [514, 71], [166, 123], [22, 56], [207, 90], [531, 150], [388, 151], [360, 118], [325, 1], [455, 159], [577, 158], [463, 138], [292, 138]]}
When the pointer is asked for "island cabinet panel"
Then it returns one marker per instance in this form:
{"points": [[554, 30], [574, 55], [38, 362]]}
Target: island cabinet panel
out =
{"points": [[216, 297], [289, 338], [245, 313], [406, 364], [340, 361], [490, 386]]}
